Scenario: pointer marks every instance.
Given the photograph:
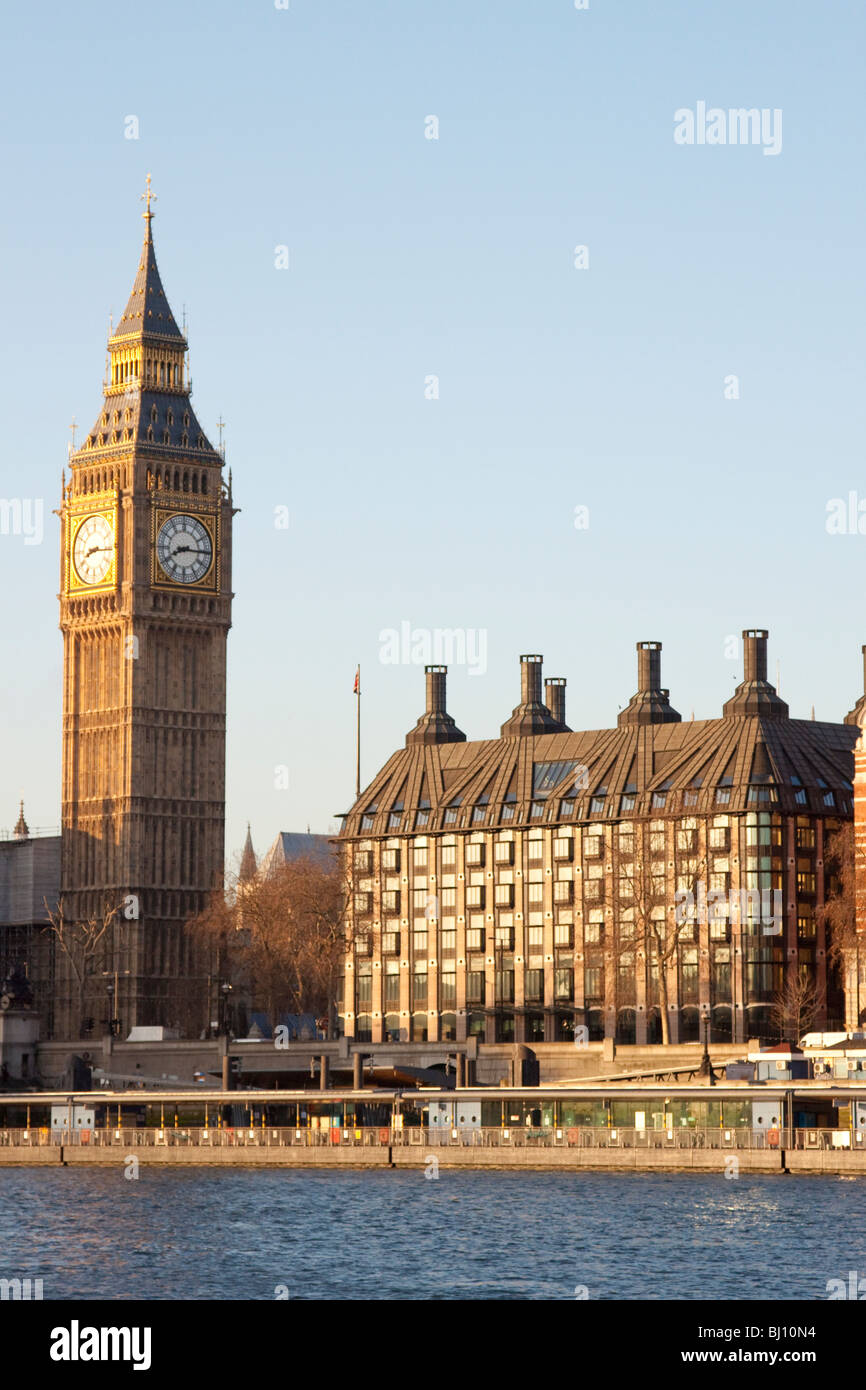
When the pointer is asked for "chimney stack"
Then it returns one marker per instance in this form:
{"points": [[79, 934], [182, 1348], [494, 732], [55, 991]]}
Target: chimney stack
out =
{"points": [[554, 698], [435, 724], [531, 716], [530, 680], [755, 695], [650, 704], [434, 677], [755, 654], [649, 666]]}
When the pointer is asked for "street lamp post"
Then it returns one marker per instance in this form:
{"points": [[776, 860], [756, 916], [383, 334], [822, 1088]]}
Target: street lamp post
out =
{"points": [[225, 991], [113, 992], [706, 1068]]}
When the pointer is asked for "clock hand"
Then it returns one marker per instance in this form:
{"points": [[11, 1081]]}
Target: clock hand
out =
{"points": [[95, 550]]}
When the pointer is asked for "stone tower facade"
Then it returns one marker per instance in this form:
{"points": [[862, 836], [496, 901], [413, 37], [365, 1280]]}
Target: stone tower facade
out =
{"points": [[145, 609]]}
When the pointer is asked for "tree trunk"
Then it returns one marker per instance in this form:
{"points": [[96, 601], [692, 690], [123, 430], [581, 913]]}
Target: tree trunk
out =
{"points": [[663, 1000]]}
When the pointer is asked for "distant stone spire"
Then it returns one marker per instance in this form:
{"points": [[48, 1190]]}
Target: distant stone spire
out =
{"points": [[249, 866], [22, 830]]}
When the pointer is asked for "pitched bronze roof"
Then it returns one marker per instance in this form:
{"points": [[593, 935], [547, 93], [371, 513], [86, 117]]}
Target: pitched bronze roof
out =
{"points": [[744, 761]]}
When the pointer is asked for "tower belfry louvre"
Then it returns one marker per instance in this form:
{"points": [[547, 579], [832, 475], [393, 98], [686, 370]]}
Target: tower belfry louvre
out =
{"points": [[145, 609]]}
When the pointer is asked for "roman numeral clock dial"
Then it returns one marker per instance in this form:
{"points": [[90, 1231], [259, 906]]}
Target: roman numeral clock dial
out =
{"points": [[184, 549], [93, 549]]}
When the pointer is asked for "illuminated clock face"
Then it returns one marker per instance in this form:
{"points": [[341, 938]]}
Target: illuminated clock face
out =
{"points": [[93, 549], [184, 549]]}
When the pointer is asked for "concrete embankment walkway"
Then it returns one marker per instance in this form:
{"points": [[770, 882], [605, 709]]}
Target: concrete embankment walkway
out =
{"points": [[447, 1156]]}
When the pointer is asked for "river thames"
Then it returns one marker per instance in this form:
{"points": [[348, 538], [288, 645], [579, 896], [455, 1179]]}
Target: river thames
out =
{"points": [[212, 1234]]}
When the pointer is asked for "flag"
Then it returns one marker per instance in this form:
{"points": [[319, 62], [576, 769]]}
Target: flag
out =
{"points": [[356, 688]]}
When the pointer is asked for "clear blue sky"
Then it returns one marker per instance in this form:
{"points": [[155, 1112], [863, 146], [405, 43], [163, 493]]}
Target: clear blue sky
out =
{"points": [[411, 257]]}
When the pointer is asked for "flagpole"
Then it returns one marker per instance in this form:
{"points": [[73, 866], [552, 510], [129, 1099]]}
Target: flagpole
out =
{"points": [[358, 736]]}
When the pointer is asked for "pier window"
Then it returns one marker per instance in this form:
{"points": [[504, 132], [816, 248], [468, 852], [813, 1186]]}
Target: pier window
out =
{"points": [[392, 982], [534, 985], [475, 984], [689, 975], [563, 982]]}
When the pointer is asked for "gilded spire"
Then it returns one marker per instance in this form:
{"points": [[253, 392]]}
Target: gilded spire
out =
{"points": [[147, 198], [146, 386], [147, 312]]}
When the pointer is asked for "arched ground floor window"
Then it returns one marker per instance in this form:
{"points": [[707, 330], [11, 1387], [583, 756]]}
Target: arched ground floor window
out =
{"points": [[720, 1026], [626, 1026]]}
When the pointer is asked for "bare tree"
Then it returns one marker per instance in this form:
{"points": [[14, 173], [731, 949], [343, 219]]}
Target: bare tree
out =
{"points": [[796, 1006], [654, 931], [838, 912], [81, 946], [843, 859], [281, 938]]}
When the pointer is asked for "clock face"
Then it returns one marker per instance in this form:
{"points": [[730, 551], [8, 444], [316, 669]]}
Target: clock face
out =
{"points": [[184, 549], [93, 549]]}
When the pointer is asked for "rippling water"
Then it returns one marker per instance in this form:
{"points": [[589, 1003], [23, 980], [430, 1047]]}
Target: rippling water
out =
{"points": [[212, 1234]]}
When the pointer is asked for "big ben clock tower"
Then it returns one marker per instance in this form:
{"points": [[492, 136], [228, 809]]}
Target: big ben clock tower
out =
{"points": [[145, 609]]}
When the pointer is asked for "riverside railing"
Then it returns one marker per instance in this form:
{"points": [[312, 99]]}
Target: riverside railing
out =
{"points": [[464, 1136]]}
